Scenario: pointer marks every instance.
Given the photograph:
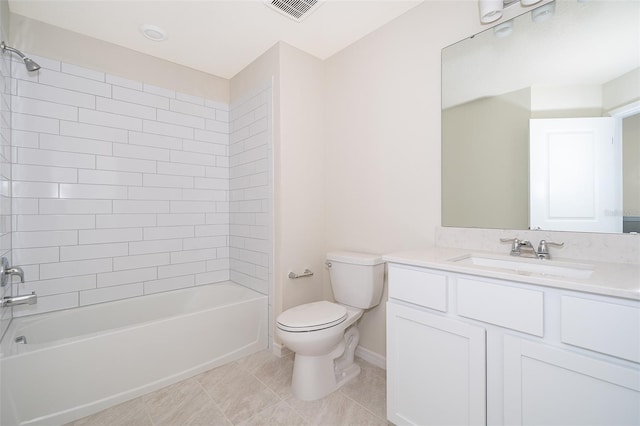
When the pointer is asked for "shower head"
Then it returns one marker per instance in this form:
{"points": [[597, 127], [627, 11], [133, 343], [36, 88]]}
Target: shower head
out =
{"points": [[29, 63]]}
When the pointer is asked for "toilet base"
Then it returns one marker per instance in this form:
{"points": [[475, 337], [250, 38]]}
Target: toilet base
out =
{"points": [[315, 377]]}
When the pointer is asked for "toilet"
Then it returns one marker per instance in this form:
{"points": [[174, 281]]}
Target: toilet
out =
{"points": [[324, 335]]}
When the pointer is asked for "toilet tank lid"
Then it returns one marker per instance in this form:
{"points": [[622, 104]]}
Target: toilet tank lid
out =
{"points": [[355, 258]]}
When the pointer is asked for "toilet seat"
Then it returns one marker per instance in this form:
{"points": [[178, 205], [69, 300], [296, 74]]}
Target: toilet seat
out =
{"points": [[312, 317]]}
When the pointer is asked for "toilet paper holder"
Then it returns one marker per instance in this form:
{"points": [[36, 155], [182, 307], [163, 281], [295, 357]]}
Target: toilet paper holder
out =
{"points": [[306, 273]]}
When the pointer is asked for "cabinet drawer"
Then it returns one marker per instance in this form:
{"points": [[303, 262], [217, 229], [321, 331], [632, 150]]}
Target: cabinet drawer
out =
{"points": [[510, 307], [418, 286], [604, 327]]}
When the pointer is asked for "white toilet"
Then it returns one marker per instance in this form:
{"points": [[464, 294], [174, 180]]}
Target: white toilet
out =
{"points": [[323, 335]]}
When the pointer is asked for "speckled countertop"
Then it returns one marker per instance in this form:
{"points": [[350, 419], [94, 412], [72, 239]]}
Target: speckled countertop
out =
{"points": [[608, 279]]}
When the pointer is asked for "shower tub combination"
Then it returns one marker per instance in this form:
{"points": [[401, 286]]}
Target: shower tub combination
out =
{"points": [[77, 362]]}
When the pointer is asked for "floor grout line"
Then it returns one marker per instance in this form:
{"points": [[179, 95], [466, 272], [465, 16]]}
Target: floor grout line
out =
{"points": [[214, 402]]}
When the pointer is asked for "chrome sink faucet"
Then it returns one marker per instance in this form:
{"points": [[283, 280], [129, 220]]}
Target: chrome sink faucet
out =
{"points": [[541, 253]]}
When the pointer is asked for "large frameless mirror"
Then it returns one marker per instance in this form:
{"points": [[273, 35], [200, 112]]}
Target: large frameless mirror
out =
{"points": [[541, 121]]}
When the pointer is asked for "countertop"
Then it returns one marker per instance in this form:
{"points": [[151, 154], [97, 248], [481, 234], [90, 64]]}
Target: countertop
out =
{"points": [[608, 279]]}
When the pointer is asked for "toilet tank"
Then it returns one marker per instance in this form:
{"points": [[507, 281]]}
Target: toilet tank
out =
{"points": [[356, 278]]}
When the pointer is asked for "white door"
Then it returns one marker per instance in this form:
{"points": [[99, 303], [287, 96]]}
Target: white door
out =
{"points": [[436, 370], [575, 171], [544, 385]]}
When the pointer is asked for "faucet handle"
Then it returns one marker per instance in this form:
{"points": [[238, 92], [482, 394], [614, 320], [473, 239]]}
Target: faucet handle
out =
{"points": [[543, 249], [515, 246], [6, 271]]}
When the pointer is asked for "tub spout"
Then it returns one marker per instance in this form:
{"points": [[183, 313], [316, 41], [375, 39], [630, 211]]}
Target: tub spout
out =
{"points": [[27, 299]]}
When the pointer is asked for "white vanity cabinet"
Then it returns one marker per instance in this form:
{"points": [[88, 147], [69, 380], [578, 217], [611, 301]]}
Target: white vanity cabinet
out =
{"points": [[464, 349], [427, 387]]}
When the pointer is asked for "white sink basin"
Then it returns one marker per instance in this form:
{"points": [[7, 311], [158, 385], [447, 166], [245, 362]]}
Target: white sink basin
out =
{"points": [[524, 266]]}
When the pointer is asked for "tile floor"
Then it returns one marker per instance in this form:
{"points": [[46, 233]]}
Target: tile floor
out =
{"points": [[252, 391]]}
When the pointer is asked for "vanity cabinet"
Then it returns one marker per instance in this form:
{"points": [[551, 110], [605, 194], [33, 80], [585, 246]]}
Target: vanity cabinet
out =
{"points": [[544, 385], [428, 387], [464, 349]]}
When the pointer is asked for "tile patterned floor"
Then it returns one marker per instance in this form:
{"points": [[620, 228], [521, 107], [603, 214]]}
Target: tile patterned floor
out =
{"points": [[252, 391]]}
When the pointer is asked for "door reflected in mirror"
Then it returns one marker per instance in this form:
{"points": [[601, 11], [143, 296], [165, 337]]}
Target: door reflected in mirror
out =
{"points": [[583, 62]]}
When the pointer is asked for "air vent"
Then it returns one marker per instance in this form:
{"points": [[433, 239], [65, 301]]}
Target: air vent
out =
{"points": [[297, 10]]}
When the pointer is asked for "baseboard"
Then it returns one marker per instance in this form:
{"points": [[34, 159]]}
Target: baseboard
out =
{"points": [[279, 349], [371, 357]]}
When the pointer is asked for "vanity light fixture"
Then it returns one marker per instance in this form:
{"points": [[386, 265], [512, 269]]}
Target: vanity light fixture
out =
{"points": [[491, 10], [504, 29], [543, 12], [153, 33]]}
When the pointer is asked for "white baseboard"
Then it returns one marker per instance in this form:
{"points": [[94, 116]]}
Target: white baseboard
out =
{"points": [[279, 349], [371, 357]]}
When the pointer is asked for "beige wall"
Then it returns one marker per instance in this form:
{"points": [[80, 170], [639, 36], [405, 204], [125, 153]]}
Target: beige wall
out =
{"points": [[300, 239], [4, 18], [489, 138], [383, 138], [46, 40], [298, 167], [631, 165]]}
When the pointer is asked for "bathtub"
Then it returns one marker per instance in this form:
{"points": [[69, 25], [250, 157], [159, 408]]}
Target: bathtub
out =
{"points": [[80, 361]]}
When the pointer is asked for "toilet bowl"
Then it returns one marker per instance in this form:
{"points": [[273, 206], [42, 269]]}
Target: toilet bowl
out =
{"points": [[323, 334]]}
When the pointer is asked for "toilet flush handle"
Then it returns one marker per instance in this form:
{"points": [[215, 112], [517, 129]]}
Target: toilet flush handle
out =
{"points": [[329, 265]]}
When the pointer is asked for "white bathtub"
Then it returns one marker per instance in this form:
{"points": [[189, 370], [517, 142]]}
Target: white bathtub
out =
{"points": [[81, 361]]}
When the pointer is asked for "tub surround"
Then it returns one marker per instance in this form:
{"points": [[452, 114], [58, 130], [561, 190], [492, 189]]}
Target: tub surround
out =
{"points": [[120, 188], [124, 189]]}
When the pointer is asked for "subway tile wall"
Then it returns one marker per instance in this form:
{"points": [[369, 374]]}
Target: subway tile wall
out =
{"points": [[251, 194], [120, 188], [5, 174]]}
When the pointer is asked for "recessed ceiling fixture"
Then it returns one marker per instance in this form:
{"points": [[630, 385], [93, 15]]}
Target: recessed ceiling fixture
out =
{"points": [[297, 10], [153, 33]]}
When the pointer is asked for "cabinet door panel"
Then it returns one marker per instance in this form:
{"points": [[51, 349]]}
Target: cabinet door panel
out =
{"points": [[551, 386], [436, 369]]}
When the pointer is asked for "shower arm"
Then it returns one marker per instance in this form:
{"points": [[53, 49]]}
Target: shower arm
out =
{"points": [[4, 47], [29, 63]]}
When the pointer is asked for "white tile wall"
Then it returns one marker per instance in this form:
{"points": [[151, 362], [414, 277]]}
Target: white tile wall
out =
{"points": [[251, 192], [5, 173], [121, 188]]}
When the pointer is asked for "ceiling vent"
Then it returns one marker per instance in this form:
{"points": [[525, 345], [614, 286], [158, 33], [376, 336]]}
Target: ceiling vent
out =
{"points": [[297, 10]]}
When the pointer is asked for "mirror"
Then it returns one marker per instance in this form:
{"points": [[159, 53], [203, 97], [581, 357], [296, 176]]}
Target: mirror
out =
{"points": [[581, 60]]}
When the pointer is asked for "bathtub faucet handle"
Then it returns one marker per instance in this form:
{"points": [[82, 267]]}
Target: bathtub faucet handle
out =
{"points": [[6, 270]]}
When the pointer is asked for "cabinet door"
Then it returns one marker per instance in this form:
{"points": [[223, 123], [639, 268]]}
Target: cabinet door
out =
{"points": [[544, 385], [436, 369]]}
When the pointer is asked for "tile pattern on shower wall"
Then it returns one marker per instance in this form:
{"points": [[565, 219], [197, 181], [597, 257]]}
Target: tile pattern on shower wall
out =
{"points": [[251, 192], [5, 173], [120, 188]]}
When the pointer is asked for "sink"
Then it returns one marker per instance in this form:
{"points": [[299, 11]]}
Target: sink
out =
{"points": [[524, 266]]}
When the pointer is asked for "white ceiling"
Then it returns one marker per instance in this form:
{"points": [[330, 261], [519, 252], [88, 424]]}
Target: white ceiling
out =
{"points": [[219, 37]]}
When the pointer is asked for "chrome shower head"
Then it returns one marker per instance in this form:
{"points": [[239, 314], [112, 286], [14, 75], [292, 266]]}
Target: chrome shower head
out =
{"points": [[29, 63]]}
